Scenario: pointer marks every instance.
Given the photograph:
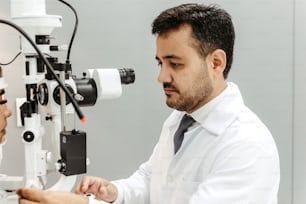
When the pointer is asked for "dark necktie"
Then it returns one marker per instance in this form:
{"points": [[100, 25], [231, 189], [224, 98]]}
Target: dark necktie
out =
{"points": [[186, 122]]}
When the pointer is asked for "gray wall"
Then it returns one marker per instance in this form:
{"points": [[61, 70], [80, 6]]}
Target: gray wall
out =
{"points": [[299, 101], [268, 66]]}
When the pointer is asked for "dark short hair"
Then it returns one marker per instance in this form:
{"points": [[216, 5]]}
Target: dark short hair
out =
{"points": [[212, 28]]}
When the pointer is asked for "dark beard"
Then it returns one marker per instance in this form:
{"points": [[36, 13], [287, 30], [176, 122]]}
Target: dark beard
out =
{"points": [[188, 103]]}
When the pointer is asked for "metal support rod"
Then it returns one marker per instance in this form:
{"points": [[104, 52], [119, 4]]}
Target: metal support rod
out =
{"points": [[63, 101]]}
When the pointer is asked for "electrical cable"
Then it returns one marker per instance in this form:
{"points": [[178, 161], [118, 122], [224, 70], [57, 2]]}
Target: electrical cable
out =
{"points": [[74, 30], [10, 62], [49, 67]]}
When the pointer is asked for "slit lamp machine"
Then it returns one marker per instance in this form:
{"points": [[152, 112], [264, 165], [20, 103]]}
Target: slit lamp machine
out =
{"points": [[50, 85]]}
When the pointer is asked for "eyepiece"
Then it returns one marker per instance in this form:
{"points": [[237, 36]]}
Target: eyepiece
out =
{"points": [[127, 75]]}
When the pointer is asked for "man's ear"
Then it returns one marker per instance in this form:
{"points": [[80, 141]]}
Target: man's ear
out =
{"points": [[218, 60]]}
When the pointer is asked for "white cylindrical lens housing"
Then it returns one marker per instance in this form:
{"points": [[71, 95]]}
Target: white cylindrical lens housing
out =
{"points": [[20, 8]]}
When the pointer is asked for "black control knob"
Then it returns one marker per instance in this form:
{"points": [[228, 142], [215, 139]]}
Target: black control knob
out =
{"points": [[28, 136]]}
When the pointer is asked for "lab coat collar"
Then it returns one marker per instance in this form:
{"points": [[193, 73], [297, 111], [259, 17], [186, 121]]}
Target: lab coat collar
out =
{"points": [[220, 112]]}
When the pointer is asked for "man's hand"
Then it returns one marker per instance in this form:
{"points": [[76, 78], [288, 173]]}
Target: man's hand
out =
{"points": [[33, 196], [101, 188]]}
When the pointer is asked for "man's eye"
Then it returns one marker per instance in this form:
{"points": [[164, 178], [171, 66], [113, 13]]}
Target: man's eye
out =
{"points": [[2, 102], [174, 65], [159, 64]]}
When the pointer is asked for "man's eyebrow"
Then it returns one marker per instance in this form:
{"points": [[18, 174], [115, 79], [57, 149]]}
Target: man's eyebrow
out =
{"points": [[168, 57]]}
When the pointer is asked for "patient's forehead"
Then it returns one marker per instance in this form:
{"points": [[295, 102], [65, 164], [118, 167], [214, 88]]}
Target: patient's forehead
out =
{"points": [[3, 85]]}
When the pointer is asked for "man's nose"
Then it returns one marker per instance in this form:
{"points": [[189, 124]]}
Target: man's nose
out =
{"points": [[164, 75]]}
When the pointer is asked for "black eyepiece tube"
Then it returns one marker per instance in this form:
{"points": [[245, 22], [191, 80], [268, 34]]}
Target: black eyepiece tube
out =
{"points": [[127, 75]]}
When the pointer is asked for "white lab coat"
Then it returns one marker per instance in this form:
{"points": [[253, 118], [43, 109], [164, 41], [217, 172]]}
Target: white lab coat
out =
{"points": [[227, 157]]}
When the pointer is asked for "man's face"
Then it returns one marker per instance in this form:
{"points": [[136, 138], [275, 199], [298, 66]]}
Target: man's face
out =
{"points": [[185, 75]]}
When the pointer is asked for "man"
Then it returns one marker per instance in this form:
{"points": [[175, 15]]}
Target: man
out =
{"points": [[227, 154]]}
